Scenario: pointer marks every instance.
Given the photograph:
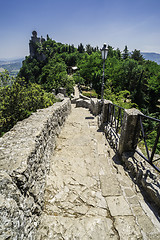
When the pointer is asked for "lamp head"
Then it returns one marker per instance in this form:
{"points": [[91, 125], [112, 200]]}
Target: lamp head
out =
{"points": [[104, 51]]}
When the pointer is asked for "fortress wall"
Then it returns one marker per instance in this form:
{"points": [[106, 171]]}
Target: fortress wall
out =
{"points": [[24, 162]]}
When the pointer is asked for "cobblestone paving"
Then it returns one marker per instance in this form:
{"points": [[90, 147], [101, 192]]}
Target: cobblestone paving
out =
{"points": [[88, 194]]}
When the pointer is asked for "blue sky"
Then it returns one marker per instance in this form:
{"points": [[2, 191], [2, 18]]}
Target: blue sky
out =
{"points": [[135, 23]]}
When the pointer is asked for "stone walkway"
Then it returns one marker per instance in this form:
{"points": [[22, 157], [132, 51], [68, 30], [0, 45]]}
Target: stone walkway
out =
{"points": [[88, 194]]}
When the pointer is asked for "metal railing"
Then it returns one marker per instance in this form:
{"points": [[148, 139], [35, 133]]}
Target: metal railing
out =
{"points": [[146, 135], [149, 143], [114, 124]]}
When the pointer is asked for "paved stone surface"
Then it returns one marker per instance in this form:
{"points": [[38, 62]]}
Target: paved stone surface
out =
{"points": [[88, 194]]}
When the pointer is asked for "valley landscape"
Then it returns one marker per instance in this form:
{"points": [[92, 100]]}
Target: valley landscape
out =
{"points": [[12, 66]]}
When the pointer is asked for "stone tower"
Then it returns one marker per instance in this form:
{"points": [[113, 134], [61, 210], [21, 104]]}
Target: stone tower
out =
{"points": [[32, 43], [33, 46]]}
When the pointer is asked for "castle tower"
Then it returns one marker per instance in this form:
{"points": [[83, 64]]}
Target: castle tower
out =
{"points": [[33, 41]]}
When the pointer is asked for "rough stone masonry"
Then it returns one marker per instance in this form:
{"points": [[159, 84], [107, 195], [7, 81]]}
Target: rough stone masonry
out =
{"points": [[25, 153], [73, 189]]}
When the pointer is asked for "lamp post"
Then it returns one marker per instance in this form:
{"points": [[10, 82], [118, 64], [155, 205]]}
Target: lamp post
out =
{"points": [[104, 51]]}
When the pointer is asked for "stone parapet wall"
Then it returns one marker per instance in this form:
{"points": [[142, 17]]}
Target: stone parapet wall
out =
{"points": [[83, 97], [24, 162], [144, 174], [93, 104], [83, 103]]}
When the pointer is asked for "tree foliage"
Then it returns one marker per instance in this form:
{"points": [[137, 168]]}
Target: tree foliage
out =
{"points": [[19, 101], [124, 72], [5, 79], [129, 79]]}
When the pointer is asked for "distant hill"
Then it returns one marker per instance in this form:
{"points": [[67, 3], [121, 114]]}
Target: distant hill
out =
{"points": [[2, 70], [152, 56], [12, 66]]}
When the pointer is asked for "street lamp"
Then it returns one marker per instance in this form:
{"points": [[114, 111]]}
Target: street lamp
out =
{"points": [[104, 51]]}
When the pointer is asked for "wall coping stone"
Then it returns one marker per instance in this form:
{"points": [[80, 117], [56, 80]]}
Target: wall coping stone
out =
{"points": [[144, 174], [128, 139], [83, 97], [83, 103]]}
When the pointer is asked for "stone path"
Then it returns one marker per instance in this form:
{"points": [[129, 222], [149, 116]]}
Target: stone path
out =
{"points": [[76, 92], [88, 194]]}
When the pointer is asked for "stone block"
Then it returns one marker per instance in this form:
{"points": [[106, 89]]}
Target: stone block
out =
{"points": [[95, 106], [62, 91], [105, 111], [128, 138], [127, 228], [74, 100], [145, 223], [84, 97], [146, 176], [95, 228], [106, 183], [118, 206], [83, 103]]}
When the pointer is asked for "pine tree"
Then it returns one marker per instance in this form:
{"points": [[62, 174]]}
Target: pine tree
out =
{"points": [[81, 48]]}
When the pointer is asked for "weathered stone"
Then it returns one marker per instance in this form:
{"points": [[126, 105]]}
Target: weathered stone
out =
{"points": [[83, 103], [129, 192], [133, 200], [83, 97], [26, 152], [145, 223], [69, 185], [128, 138], [145, 175], [137, 210], [62, 91], [105, 111], [60, 96], [79, 179], [95, 106], [127, 228], [118, 206], [83, 228], [107, 190], [152, 236]]}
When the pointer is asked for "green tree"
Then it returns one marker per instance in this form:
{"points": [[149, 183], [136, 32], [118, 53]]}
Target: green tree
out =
{"points": [[118, 54], [136, 55], [89, 49], [5, 79], [89, 67], [81, 48], [110, 51], [53, 75], [19, 101]]}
